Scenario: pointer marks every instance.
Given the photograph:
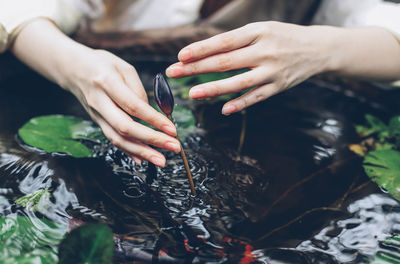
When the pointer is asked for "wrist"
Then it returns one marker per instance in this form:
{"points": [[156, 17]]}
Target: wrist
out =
{"points": [[68, 64], [44, 48], [365, 52], [327, 46]]}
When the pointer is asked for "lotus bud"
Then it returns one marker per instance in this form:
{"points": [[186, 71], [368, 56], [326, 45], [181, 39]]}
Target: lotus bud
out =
{"points": [[163, 94]]}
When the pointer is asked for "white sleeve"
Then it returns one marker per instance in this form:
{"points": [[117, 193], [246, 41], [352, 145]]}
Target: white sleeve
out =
{"points": [[350, 13], [14, 14]]}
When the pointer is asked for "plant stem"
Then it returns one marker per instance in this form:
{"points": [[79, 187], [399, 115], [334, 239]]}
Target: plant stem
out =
{"points": [[242, 132], [186, 163], [303, 181], [297, 219]]}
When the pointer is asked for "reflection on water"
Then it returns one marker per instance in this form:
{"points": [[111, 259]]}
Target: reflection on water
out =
{"points": [[356, 238], [295, 194]]}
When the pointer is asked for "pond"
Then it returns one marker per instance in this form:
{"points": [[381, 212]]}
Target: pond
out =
{"points": [[276, 184]]}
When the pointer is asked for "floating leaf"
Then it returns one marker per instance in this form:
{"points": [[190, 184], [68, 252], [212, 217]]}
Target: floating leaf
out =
{"points": [[32, 200], [391, 256], [58, 133], [29, 240], [87, 244], [383, 167]]}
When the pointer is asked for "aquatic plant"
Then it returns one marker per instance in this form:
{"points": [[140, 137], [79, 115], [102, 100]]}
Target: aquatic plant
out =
{"points": [[383, 167], [380, 148], [89, 244], [63, 134], [163, 94], [34, 199], [165, 101]]}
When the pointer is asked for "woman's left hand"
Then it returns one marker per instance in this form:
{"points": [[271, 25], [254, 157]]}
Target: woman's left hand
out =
{"points": [[281, 55]]}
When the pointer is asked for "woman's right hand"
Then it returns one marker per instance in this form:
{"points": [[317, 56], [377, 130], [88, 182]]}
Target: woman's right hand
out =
{"points": [[108, 87], [110, 90]]}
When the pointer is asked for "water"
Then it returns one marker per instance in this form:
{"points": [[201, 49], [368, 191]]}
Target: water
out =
{"points": [[294, 194]]}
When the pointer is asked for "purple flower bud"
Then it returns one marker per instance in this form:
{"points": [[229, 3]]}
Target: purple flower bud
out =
{"points": [[163, 94]]}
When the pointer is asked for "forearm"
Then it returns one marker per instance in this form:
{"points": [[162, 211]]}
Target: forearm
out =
{"points": [[366, 52], [44, 48]]}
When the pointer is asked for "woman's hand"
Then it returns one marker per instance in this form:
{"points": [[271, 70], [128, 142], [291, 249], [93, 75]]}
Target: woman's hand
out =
{"points": [[281, 55], [108, 88], [278, 55]]}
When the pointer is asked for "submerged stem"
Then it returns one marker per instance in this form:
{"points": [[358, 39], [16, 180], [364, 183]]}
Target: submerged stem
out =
{"points": [[297, 219], [302, 181], [186, 163], [242, 132]]}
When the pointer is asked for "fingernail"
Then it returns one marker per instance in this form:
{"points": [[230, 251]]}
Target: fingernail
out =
{"points": [[228, 109], [137, 161], [184, 55], [174, 70], [197, 92], [173, 146], [169, 129], [157, 161]]}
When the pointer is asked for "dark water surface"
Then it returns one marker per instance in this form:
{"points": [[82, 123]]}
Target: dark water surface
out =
{"points": [[295, 193]]}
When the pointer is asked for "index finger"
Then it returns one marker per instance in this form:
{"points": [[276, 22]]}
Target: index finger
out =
{"points": [[131, 78], [220, 43]]}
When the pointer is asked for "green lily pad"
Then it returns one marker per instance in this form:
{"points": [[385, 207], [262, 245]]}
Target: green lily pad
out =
{"points": [[29, 240], [58, 133], [383, 167], [87, 244], [33, 200]]}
